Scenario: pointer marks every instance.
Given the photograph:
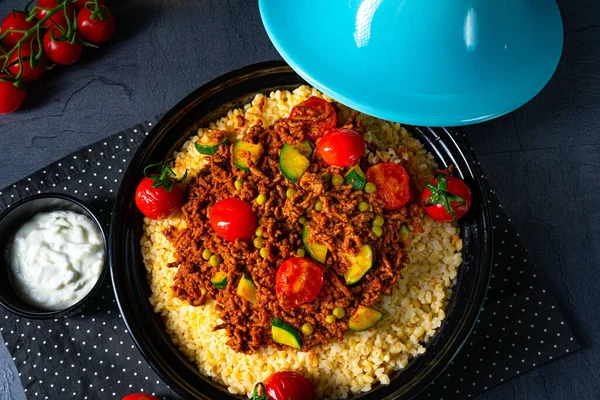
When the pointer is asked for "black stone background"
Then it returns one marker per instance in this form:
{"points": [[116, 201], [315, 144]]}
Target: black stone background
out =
{"points": [[542, 159]]}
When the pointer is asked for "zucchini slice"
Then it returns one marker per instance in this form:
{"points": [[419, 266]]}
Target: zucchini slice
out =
{"points": [[247, 289], [240, 154], [360, 264], [284, 333], [356, 178], [211, 148], [305, 149], [364, 318], [317, 251], [405, 231], [219, 280], [291, 163]]}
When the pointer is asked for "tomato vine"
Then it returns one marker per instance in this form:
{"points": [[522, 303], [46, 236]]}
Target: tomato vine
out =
{"points": [[33, 37]]}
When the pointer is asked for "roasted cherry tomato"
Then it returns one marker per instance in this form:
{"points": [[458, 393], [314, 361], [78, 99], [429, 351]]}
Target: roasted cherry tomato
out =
{"points": [[29, 74], [446, 198], [341, 147], [140, 396], [58, 18], [99, 29], [392, 184], [11, 97], [15, 20], [233, 219], [318, 112], [285, 385], [59, 50], [159, 196], [298, 281], [79, 4]]}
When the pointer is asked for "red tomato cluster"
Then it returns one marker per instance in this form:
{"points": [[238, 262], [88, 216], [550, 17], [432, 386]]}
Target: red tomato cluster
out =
{"points": [[65, 30]]}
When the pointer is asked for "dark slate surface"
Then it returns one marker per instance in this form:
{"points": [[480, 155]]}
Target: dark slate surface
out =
{"points": [[542, 159]]}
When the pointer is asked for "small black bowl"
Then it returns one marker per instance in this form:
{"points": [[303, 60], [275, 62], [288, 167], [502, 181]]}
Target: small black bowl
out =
{"points": [[10, 220]]}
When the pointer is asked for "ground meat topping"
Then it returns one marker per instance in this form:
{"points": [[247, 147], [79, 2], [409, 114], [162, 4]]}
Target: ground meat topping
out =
{"points": [[339, 225]]}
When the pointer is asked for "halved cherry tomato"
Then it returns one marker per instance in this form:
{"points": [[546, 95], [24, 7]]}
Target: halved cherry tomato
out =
{"points": [[11, 97], [97, 30], [233, 219], [341, 147], [318, 112], [15, 20], [299, 280], [59, 50], [58, 18], [287, 385], [140, 396], [159, 196], [392, 183], [29, 74], [446, 198]]}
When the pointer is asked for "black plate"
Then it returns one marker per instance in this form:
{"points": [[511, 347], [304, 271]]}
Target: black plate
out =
{"points": [[211, 102]]}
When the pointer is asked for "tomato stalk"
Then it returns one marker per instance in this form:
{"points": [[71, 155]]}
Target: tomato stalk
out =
{"points": [[27, 35], [97, 11], [259, 393], [440, 195], [167, 178]]}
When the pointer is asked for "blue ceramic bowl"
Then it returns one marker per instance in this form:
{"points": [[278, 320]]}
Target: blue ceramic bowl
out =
{"points": [[421, 62]]}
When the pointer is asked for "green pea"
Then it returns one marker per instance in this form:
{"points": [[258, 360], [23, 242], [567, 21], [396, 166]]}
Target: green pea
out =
{"points": [[318, 205], [258, 243], [370, 187], [330, 319], [363, 206], [214, 261], [337, 180], [339, 312], [300, 253], [302, 220], [307, 329], [263, 252], [290, 193], [377, 230], [238, 184], [261, 199], [206, 253], [378, 221], [258, 232], [326, 176]]}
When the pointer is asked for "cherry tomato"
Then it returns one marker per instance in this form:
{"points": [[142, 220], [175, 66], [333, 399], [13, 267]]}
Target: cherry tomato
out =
{"points": [[140, 396], [11, 98], [29, 74], [233, 219], [61, 51], [341, 147], [287, 385], [159, 196], [96, 30], [318, 112], [58, 18], [15, 20], [391, 182], [298, 281], [79, 4], [446, 198]]}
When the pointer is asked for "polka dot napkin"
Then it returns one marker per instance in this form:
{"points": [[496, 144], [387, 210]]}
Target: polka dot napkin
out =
{"points": [[91, 355]]}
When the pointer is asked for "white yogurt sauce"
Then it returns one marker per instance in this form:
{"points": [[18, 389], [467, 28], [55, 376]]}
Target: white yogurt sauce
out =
{"points": [[56, 259]]}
